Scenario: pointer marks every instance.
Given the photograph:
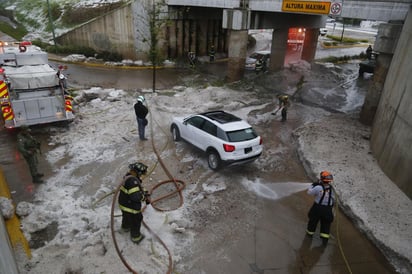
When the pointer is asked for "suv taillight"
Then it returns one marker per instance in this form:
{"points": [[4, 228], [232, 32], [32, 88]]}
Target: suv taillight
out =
{"points": [[228, 148], [261, 140]]}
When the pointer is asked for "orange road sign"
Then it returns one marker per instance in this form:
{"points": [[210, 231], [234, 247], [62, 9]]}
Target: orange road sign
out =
{"points": [[306, 6]]}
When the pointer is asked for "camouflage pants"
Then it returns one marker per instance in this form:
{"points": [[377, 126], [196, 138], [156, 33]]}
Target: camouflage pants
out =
{"points": [[32, 163]]}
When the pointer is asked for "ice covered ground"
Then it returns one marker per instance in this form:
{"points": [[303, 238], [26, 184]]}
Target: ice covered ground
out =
{"points": [[88, 162]]}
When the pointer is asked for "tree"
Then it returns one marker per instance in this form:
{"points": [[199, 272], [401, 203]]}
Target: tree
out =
{"points": [[155, 14]]}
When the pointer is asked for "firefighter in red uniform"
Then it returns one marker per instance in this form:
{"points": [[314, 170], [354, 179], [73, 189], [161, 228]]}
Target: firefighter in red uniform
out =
{"points": [[131, 196], [321, 209]]}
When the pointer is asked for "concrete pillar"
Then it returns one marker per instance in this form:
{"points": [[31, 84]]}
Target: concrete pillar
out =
{"points": [[179, 38], [237, 54], [202, 37], [279, 48], [310, 44], [236, 21], [385, 44]]}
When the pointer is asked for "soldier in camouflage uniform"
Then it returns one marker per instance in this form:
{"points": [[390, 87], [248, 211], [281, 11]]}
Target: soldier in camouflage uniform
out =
{"points": [[28, 146]]}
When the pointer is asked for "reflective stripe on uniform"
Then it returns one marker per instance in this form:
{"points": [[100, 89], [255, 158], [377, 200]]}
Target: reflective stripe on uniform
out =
{"points": [[324, 235], [138, 238], [129, 191], [133, 211], [310, 232]]}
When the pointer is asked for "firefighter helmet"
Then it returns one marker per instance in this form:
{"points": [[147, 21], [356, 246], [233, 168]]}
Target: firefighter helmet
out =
{"points": [[139, 168], [283, 97], [141, 98], [326, 177]]}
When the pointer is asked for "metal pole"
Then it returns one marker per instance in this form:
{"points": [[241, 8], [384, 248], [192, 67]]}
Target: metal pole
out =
{"points": [[153, 44]]}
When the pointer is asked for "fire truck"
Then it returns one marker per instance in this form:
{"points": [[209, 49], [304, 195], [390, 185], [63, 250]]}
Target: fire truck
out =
{"points": [[31, 91]]}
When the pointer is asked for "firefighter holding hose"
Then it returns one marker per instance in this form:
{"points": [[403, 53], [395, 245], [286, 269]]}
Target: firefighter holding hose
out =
{"points": [[132, 195], [321, 210]]}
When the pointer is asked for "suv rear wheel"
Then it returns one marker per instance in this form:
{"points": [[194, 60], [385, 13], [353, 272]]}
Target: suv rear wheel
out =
{"points": [[213, 159]]}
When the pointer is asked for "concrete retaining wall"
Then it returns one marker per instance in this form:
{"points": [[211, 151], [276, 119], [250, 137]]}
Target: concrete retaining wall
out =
{"points": [[391, 141], [112, 32]]}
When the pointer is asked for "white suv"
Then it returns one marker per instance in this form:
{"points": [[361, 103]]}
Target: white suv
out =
{"points": [[226, 139]]}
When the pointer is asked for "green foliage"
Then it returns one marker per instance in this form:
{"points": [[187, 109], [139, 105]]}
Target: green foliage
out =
{"points": [[218, 83], [27, 21], [17, 33], [72, 49], [55, 10], [109, 56], [346, 40], [342, 59], [330, 43]]}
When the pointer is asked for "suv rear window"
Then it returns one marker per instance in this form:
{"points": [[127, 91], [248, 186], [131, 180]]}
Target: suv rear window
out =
{"points": [[241, 135]]}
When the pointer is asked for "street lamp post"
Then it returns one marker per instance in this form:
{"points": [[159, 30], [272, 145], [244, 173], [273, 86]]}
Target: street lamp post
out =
{"points": [[153, 44]]}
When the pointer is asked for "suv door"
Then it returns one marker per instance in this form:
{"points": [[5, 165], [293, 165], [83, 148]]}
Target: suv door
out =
{"points": [[207, 137], [193, 130]]}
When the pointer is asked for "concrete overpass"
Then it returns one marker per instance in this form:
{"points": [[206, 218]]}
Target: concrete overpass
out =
{"points": [[238, 16], [365, 9]]}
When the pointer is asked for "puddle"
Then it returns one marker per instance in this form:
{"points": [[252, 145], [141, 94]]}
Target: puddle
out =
{"points": [[41, 237]]}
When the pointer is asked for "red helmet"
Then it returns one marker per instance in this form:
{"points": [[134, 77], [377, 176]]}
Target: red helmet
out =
{"points": [[326, 177]]}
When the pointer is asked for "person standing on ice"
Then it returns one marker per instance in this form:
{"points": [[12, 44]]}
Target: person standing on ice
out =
{"points": [[141, 112], [321, 209], [28, 146], [369, 51], [132, 195], [283, 106]]}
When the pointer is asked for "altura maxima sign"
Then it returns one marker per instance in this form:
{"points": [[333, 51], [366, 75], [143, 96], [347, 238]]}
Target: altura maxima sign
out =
{"points": [[306, 6]]}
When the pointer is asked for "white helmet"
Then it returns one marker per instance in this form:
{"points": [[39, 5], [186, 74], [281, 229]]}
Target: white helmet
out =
{"points": [[140, 99]]}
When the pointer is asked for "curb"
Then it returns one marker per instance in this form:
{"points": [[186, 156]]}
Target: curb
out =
{"points": [[55, 58], [16, 236]]}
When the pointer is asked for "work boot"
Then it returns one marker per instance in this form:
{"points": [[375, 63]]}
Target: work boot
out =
{"points": [[38, 181], [324, 241], [138, 239], [124, 229]]}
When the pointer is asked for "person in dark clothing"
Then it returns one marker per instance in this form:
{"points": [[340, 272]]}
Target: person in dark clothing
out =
{"points": [[321, 209], [28, 146], [141, 112], [132, 195], [192, 59], [369, 51], [258, 66], [212, 54]]}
